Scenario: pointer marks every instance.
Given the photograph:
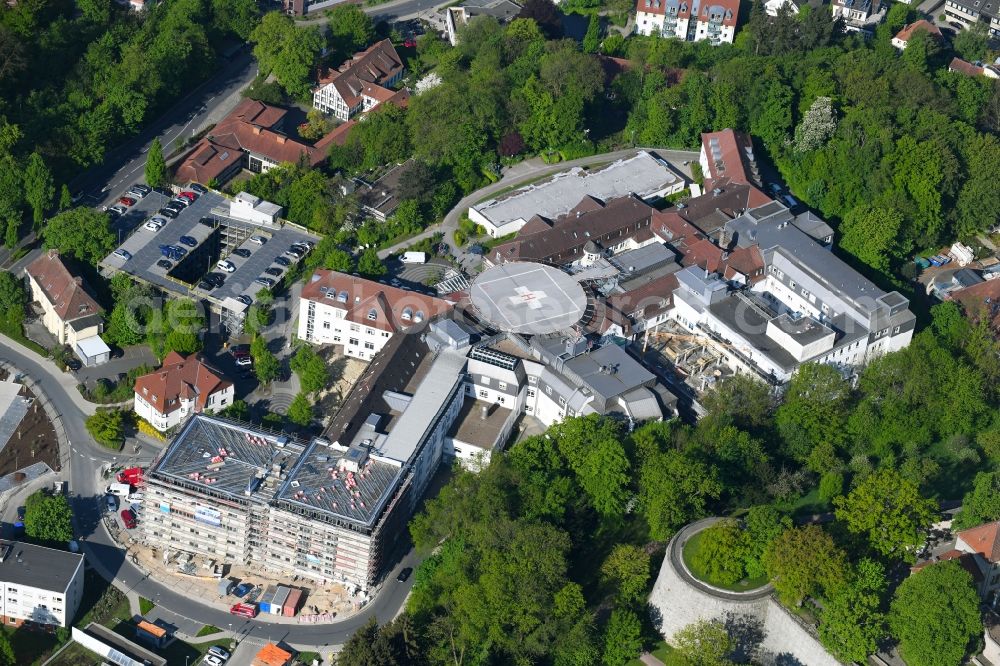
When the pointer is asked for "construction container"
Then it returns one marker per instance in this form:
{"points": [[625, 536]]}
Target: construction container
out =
{"points": [[278, 602], [225, 587], [292, 603], [265, 599]]}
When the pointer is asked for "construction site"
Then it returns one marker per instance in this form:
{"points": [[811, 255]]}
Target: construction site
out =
{"points": [[697, 360]]}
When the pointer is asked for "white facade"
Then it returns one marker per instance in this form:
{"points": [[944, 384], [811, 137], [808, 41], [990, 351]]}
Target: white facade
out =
{"points": [[325, 324], [688, 20], [772, 7], [248, 208], [47, 604], [163, 422]]}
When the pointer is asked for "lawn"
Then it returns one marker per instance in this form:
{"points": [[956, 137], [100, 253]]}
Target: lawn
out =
{"points": [[145, 605], [691, 548], [207, 630], [76, 655], [102, 603], [664, 653], [177, 652], [33, 647]]}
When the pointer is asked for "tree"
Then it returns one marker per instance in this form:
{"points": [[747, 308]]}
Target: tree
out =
{"points": [[312, 370], [300, 411], [82, 233], [350, 29], [156, 166], [704, 643], [817, 126], [7, 656], [370, 265], [627, 567], [872, 234], [416, 182], [622, 638], [239, 17], [890, 511], [803, 562], [38, 188], [973, 42], [13, 298], [48, 518], [851, 624], [674, 489], [238, 410], [761, 526], [286, 51], [265, 365], [935, 615], [721, 555], [592, 40], [982, 503], [814, 410], [545, 14], [107, 427], [593, 450], [339, 260], [65, 198]]}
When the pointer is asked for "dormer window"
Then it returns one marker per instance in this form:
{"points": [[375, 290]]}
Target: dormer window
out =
{"points": [[419, 317], [342, 297], [372, 314], [407, 314]]}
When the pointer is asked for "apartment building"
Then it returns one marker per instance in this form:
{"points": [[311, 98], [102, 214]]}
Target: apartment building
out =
{"points": [[183, 385], [41, 587], [858, 15], [361, 83], [361, 315], [981, 547], [688, 20], [968, 12], [727, 156]]}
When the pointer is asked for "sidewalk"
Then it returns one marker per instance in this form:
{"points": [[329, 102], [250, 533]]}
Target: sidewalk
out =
{"points": [[64, 379]]}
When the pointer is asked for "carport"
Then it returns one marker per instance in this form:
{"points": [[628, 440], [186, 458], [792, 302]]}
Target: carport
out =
{"points": [[93, 351]]}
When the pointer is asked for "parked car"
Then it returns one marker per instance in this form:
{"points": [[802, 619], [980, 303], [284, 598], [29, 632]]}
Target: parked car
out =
{"points": [[73, 364], [259, 240], [267, 282], [168, 213], [218, 279], [206, 285], [225, 265], [219, 652], [404, 574], [139, 187], [281, 261], [112, 502], [123, 254], [244, 299], [128, 518], [165, 191], [135, 194], [164, 264], [190, 241], [152, 226], [127, 201], [242, 252], [212, 660], [276, 272], [118, 209], [159, 219], [198, 187], [295, 252], [208, 222], [179, 201], [242, 589], [244, 361], [244, 610], [189, 195]]}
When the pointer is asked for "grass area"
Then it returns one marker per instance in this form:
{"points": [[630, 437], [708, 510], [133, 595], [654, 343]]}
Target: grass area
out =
{"points": [[664, 653], [76, 655], [15, 331], [807, 505], [102, 603], [177, 652], [145, 605], [691, 549], [33, 647], [307, 657], [207, 630]]}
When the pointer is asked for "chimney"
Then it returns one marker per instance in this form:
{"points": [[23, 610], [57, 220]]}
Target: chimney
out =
{"points": [[78, 280], [484, 412], [256, 130], [281, 139]]}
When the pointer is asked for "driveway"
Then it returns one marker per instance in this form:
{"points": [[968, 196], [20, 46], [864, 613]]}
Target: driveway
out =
{"points": [[520, 173], [132, 357]]}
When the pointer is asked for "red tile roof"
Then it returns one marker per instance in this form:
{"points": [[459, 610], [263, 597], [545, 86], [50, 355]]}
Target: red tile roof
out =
{"points": [[361, 296], [984, 539], [272, 655], [965, 560], [963, 67], [64, 291], [179, 378], [923, 24], [730, 155], [375, 65], [252, 127], [980, 299], [651, 298]]}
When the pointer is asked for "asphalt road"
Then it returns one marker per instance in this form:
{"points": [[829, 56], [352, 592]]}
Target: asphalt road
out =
{"points": [[86, 493], [212, 99]]}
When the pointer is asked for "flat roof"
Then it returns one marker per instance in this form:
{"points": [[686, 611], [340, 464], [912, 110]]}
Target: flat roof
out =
{"points": [[528, 297], [36, 566], [642, 174], [609, 371], [228, 458], [93, 346]]}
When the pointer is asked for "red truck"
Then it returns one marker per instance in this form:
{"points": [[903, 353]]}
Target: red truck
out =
{"points": [[244, 610], [130, 475]]}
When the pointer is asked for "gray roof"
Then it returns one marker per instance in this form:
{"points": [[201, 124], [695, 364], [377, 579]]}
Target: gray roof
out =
{"points": [[643, 259], [499, 9], [609, 371], [642, 174], [37, 566], [228, 458], [804, 330]]}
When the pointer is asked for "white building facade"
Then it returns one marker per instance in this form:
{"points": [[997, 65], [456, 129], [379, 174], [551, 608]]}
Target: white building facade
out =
{"points": [[40, 586]]}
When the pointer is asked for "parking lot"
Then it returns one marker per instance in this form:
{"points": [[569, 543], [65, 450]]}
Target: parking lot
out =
{"points": [[214, 239]]}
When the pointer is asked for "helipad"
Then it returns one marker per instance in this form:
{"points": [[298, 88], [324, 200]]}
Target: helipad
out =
{"points": [[525, 297]]}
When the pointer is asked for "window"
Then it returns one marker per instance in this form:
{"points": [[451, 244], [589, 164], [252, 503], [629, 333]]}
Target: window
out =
{"points": [[548, 390], [562, 401], [895, 330], [484, 394], [326, 325], [336, 338], [372, 314], [353, 341], [369, 345], [502, 386], [485, 381], [531, 393]]}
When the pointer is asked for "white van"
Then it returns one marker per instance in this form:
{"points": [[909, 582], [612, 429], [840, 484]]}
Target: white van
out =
{"points": [[119, 489], [227, 266], [135, 498]]}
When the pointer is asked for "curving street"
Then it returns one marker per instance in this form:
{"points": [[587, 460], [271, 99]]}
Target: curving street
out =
{"points": [[85, 493]]}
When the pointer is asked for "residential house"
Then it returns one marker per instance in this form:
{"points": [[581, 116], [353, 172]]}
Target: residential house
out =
{"points": [[254, 136], [183, 385], [361, 83], [688, 20], [923, 25], [361, 315], [458, 16], [973, 69], [69, 313], [968, 12], [40, 587], [859, 15], [980, 299], [380, 199], [983, 544], [728, 155]]}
